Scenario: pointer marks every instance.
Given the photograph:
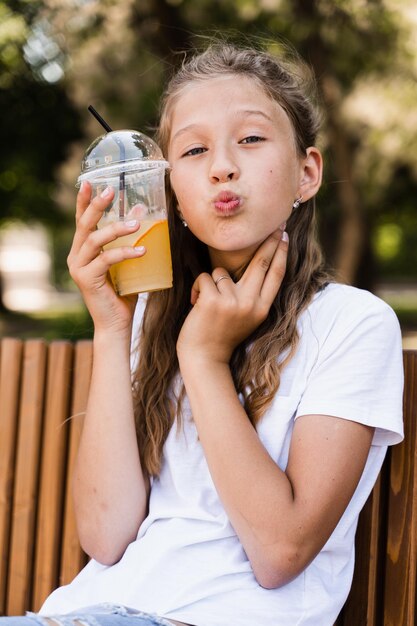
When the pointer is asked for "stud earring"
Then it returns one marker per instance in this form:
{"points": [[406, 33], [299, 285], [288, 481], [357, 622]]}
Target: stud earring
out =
{"points": [[297, 202], [180, 215]]}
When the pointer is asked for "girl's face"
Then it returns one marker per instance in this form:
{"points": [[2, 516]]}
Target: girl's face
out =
{"points": [[235, 168]]}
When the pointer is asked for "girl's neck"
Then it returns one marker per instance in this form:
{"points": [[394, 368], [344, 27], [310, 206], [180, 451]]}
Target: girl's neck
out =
{"points": [[234, 261]]}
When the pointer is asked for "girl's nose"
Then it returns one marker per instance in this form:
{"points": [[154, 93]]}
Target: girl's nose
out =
{"points": [[223, 169]]}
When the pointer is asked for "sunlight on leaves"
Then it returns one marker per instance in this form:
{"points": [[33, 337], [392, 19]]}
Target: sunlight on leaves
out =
{"points": [[387, 241]]}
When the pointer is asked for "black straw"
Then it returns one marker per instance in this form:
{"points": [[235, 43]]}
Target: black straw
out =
{"points": [[99, 119], [122, 155]]}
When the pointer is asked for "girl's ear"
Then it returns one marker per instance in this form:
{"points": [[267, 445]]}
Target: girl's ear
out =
{"points": [[311, 173]]}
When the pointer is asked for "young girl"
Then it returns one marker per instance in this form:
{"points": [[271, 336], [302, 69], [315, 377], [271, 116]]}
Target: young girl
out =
{"points": [[264, 394]]}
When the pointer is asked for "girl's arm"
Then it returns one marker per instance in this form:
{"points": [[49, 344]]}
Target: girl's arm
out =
{"points": [[283, 519], [110, 490]]}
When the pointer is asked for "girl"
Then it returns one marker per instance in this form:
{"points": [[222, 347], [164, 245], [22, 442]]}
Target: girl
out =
{"points": [[264, 394]]}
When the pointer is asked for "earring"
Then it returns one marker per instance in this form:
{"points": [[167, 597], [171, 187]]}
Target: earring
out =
{"points": [[297, 202], [180, 215]]}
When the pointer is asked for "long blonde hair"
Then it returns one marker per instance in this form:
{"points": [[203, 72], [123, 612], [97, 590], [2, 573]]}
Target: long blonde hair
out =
{"points": [[257, 363]]}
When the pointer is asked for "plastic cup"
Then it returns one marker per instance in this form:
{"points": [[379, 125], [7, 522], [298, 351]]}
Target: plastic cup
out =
{"points": [[133, 165]]}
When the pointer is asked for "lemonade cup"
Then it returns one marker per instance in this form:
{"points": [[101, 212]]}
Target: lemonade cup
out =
{"points": [[132, 164]]}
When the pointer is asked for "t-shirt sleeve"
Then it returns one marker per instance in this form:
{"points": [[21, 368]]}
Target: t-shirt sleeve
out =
{"points": [[358, 372]]}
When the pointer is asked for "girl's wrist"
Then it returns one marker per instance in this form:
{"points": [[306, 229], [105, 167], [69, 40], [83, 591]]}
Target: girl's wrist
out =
{"points": [[208, 357], [194, 364], [112, 337]]}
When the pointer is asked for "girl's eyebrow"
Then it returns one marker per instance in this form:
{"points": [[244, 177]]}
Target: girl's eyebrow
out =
{"points": [[249, 112], [243, 113], [183, 130]]}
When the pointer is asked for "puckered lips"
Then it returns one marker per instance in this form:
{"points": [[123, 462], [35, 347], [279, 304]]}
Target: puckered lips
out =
{"points": [[227, 203]]}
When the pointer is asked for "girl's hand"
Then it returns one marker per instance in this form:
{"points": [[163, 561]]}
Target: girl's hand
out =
{"points": [[224, 312], [89, 265]]}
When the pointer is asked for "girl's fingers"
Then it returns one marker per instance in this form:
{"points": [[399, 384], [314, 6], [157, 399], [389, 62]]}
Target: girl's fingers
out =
{"points": [[254, 276], [276, 272], [97, 239], [260, 282], [116, 255], [83, 199], [94, 211], [88, 217], [99, 267], [222, 280], [203, 281]]}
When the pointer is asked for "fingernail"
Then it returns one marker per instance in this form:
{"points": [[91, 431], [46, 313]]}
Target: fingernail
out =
{"points": [[284, 236], [106, 192], [131, 223], [82, 186], [140, 249], [283, 226]]}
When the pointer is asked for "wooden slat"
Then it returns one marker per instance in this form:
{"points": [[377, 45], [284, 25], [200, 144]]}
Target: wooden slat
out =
{"points": [[363, 606], [26, 477], [73, 557], [10, 368], [401, 570], [52, 478], [373, 552]]}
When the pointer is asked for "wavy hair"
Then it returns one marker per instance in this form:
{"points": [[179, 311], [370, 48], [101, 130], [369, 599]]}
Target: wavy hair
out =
{"points": [[257, 363]]}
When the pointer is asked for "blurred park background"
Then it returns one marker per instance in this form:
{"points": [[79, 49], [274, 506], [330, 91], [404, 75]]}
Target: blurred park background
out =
{"points": [[59, 56]]}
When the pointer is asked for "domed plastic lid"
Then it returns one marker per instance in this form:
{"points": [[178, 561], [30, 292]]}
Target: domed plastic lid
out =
{"points": [[120, 151]]}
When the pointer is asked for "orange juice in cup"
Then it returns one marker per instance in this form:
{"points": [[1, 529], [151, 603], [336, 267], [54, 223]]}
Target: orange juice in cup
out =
{"points": [[149, 272], [132, 164]]}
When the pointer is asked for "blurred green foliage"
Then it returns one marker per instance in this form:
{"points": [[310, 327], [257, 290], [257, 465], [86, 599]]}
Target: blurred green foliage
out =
{"points": [[71, 325], [29, 156], [38, 122]]}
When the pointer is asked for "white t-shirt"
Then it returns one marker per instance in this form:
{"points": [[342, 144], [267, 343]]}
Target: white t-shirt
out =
{"points": [[187, 562]]}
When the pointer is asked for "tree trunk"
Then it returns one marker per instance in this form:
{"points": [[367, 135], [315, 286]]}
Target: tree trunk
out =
{"points": [[351, 234], [170, 33], [2, 305]]}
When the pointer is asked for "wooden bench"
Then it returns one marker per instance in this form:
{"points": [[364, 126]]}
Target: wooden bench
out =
{"points": [[43, 393], [41, 386]]}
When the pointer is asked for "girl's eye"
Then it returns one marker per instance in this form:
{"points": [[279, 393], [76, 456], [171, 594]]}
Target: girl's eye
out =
{"points": [[194, 151], [252, 139]]}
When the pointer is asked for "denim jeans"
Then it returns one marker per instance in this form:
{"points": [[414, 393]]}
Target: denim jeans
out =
{"points": [[101, 615]]}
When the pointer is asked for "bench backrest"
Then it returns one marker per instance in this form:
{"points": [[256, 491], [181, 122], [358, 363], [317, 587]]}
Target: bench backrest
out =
{"points": [[41, 386], [43, 394], [384, 586]]}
